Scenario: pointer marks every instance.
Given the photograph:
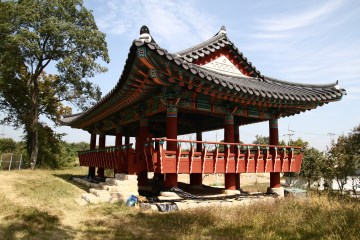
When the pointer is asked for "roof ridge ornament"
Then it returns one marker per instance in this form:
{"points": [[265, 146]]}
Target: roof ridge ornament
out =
{"points": [[145, 34], [222, 30]]}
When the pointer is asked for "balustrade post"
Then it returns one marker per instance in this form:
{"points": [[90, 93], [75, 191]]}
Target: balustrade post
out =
{"points": [[196, 178], [159, 176]]}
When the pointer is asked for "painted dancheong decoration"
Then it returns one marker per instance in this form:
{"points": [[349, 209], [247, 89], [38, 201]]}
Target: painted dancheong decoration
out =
{"points": [[209, 86]]}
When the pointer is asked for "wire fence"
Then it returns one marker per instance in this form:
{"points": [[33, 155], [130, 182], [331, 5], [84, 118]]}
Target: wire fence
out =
{"points": [[11, 161]]}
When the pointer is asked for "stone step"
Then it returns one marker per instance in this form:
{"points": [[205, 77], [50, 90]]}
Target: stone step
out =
{"points": [[86, 183], [110, 181], [81, 201], [125, 183], [111, 188], [121, 176], [90, 198], [102, 194]]}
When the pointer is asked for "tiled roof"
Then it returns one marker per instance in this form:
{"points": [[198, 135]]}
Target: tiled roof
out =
{"points": [[260, 86], [217, 42], [256, 85]]}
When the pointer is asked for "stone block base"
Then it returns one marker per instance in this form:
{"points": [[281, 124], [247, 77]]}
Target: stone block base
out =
{"points": [[279, 191], [231, 192]]}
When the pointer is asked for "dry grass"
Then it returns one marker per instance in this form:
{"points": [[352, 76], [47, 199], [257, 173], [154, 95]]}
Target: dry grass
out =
{"points": [[40, 205]]}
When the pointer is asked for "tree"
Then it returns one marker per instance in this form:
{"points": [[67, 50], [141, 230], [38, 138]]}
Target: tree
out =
{"points": [[34, 35], [311, 167], [343, 159], [259, 139], [7, 145], [299, 143], [49, 153]]}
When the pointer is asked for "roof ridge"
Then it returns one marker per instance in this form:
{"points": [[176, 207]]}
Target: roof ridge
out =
{"points": [[202, 44]]}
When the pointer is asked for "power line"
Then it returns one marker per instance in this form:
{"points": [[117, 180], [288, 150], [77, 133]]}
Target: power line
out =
{"points": [[319, 134]]}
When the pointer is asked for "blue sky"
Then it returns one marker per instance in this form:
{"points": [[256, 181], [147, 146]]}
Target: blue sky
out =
{"points": [[313, 42]]}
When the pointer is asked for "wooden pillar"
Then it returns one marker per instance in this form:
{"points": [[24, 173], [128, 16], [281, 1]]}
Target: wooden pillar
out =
{"points": [[196, 178], [118, 136], [171, 133], [92, 146], [102, 143], [274, 140], [230, 178], [139, 151], [118, 141], [237, 140]]}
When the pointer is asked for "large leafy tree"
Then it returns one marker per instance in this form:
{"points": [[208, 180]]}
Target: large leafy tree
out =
{"points": [[312, 165], [344, 158], [39, 34]]}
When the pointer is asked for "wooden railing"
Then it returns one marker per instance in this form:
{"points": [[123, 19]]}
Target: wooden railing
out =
{"points": [[116, 157], [236, 158], [214, 157]]}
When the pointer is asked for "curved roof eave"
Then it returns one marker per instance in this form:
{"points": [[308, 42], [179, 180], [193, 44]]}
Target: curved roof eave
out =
{"points": [[179, 59]]}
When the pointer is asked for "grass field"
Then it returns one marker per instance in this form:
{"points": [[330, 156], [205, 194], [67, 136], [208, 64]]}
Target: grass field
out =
{"points": [[40, 205]]}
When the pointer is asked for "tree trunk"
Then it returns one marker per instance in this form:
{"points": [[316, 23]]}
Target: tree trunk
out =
{"points": [[34, 149], [34, 136]]}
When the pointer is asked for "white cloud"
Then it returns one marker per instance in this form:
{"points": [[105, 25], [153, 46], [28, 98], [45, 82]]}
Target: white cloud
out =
{"points": [[302, 19], [173, 24]]}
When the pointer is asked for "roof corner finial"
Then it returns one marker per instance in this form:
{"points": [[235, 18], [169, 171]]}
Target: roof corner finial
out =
{"points": [[222, 30], [145, 34]]}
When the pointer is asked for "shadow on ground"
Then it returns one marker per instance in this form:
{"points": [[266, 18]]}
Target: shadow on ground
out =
{"points": [[140, 225], [69, 178], [31, 223]]}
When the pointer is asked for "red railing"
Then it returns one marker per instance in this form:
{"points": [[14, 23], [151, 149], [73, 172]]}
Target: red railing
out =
{"points": [[235, 158], [230, 158], [108, 157]]}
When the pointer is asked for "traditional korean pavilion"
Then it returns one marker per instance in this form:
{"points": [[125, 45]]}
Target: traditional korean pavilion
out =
{"points": [[209, 86]]}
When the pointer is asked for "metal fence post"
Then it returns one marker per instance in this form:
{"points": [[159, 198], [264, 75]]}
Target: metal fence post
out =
{"points": [[20, 161], [11, 157]]}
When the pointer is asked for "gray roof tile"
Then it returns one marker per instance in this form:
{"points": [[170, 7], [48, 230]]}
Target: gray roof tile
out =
{"points": [[255, 86]]}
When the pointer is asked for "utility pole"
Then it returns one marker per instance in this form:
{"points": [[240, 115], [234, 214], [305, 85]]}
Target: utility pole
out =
{"points": [[289, 134]]}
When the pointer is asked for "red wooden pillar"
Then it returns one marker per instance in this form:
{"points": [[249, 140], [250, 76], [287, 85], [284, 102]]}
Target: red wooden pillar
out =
{"points": [[139, 152], [118, 141], [92, 147], [171, 133], [230, 178], [196, 178], [118, 136], [102, 143], [274, 140], [237, 140]]}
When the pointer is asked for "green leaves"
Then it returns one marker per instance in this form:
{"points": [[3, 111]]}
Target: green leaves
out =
{"points": [[35, 34]]}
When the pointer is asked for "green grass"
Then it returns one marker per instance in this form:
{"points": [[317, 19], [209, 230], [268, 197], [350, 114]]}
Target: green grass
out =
{"points": [[40, 205]]}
